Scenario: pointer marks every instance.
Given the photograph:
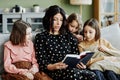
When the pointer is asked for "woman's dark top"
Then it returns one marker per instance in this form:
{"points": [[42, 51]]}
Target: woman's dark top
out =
{"points": [[53, 48]]}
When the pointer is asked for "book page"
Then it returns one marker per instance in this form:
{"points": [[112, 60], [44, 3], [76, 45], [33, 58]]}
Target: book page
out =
{"points": [[82, 54], [73, 59]]}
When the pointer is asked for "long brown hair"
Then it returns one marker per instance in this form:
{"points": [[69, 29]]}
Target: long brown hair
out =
{"points": [[18, 33], [77, 18], [93, 23]]}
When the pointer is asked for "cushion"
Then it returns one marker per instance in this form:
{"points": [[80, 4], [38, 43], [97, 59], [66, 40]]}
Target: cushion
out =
{"points": [[3, 39], [112, 34]]}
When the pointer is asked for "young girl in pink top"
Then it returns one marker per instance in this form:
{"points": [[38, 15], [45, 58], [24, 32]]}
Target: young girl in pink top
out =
{"points": [[19, 55]]}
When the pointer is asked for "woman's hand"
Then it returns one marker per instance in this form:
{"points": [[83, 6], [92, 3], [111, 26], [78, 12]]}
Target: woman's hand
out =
{"points": [[55, 66], [81, 66]]}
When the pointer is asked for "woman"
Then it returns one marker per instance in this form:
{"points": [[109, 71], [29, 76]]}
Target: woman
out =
{"points": [[52, 45]]}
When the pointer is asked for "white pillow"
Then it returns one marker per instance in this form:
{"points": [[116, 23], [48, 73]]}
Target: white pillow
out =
{"points": [[112, 34]]}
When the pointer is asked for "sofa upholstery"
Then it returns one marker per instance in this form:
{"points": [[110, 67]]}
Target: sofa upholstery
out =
{"points": [[111, 33], [3, 38]]}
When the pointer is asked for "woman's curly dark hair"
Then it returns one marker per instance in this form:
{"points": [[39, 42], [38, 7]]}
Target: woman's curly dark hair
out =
{"points": [[48, 18]]}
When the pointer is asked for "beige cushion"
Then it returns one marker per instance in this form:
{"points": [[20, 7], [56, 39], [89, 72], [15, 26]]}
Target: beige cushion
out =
{"points": [[112, 34]]}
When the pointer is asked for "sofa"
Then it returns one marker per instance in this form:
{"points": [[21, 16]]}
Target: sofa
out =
{"points": [[111, 33]]}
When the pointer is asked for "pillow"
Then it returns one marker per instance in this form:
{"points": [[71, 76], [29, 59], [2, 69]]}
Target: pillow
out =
{"points": [[112, 34], [3, 39]]}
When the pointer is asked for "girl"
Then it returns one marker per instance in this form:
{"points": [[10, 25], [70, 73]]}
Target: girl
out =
{"points": [[106, 57], [52, 45], [74, 24], [19, 55]]}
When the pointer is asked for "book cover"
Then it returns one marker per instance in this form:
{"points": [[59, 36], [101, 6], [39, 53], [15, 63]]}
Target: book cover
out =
{"points": [[73, 59]]}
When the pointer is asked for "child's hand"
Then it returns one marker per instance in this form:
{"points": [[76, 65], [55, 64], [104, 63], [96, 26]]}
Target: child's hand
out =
{"points": [[29, 75], [33, 70], [79, 37], [103, 48]]}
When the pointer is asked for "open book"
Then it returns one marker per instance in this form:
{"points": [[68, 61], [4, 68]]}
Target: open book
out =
{"points": [[73, 59]]}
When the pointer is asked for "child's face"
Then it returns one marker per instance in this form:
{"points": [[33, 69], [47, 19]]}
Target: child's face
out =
{"points": [[28, 33], [73, 27], [57, 22], [89, 33]]}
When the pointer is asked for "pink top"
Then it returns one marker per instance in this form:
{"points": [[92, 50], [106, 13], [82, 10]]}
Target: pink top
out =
{"points": [[17, 53]]}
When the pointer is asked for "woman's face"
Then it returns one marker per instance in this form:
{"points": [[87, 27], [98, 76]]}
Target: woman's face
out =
{"points": [[73, 26], [57, 22], [89, 33]]}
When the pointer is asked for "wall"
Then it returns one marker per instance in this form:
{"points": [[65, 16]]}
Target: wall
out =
{"points": [[87, 10]]}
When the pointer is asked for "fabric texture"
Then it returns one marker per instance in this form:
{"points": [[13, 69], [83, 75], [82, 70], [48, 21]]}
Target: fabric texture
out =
{"points": [[41, 76], [11, 76], [111, 63], [18, 60], [25, 65], [13, 54], [112, 34], [53, 48]]}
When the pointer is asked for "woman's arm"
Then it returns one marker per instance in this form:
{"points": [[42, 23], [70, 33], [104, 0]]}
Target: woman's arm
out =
{"points": [[41, 51], [55, 66]]}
